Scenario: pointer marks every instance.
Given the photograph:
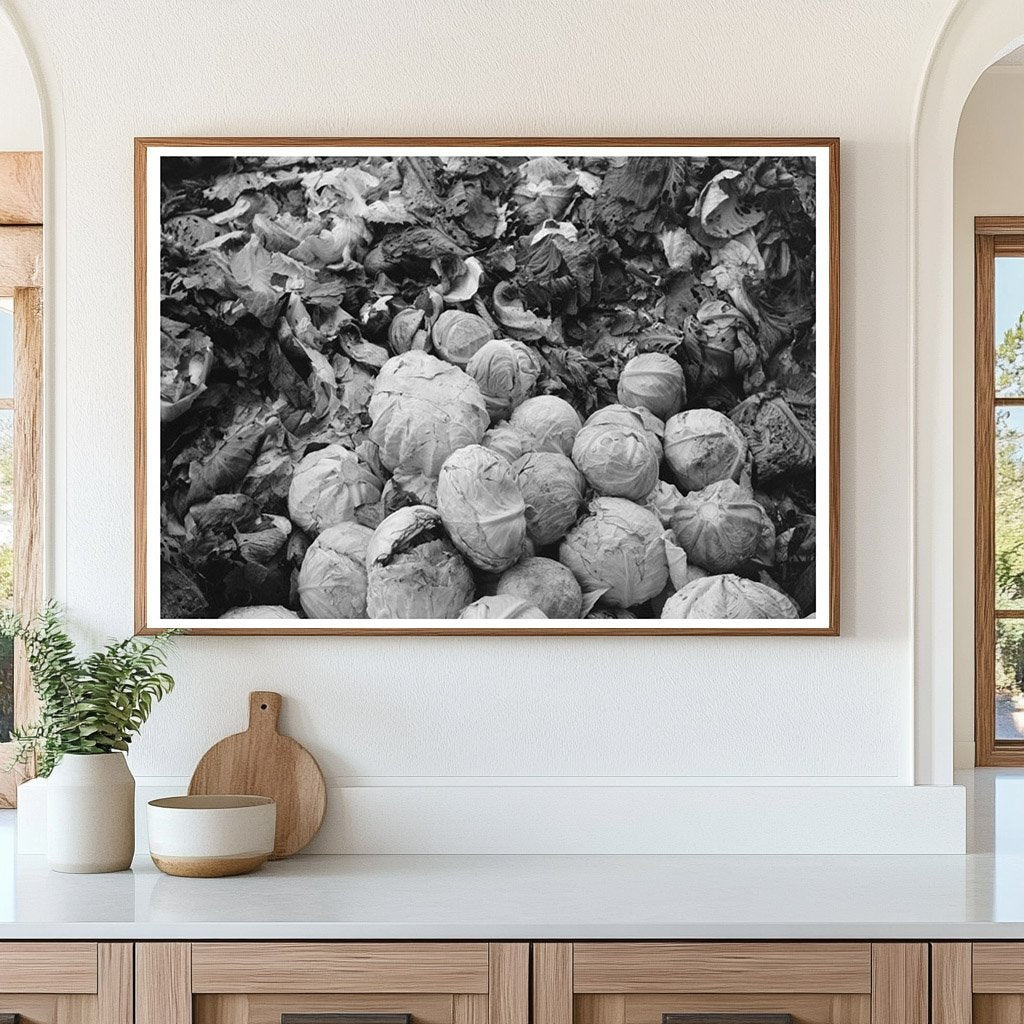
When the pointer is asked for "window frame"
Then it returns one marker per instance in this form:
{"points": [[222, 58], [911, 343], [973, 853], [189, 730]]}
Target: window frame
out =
{"points": [[993, 237], [21, 278]]}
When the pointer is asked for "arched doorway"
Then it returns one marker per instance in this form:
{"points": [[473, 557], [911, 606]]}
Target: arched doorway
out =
{"points": [[976, 34]]}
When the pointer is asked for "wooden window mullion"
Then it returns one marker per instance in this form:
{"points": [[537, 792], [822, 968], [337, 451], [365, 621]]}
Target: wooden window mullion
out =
{"points": [[984, 501]]}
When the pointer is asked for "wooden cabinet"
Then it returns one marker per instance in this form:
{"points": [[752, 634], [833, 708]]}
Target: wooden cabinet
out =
{"points": [[306, 982], [494, 983], [750, 982], [66, 982], [978, 983]]}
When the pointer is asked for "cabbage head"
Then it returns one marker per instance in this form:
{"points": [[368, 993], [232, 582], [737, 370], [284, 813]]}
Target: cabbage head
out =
{"points": [[260, 611], [618, 461], [413, 570], [664, 501], [459, 335], [506, 373], [552, 489], [332, 579], [328, 487], [654, 381], [545, 583], [509, 442], [423, 409], [501, 607], [402, 490], [728, 597], [550, 422], [624, 416], [482, 507], [719, 527], [703, 446], [618, 547]]}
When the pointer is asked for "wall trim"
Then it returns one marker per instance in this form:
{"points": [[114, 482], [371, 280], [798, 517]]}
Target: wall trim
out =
{"points": [[566, 819]]}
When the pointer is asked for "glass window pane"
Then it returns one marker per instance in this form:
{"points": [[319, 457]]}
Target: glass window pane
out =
{"points": [[1009, 525], [1009, 679], [6, 567], [1009, 324]]}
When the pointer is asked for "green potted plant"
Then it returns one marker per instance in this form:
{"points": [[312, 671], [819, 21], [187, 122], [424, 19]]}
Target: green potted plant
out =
{"points": [[90, 708]]}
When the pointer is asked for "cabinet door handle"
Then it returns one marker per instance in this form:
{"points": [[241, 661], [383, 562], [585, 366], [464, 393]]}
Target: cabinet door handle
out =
{"points": [[727, 1018], [337, 1018]]}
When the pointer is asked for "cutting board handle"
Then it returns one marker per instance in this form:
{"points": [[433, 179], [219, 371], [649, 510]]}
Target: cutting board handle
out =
{"points": [[264, 710]]}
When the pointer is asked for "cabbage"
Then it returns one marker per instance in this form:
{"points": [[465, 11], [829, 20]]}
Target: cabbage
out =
{"points": [[617, 546], [422, 410], [664, 501], [412, 490], [413, 570], [624, 416], [502, 606], [508, 441], [779, 441], [459, 335], [610, 613], [506, 372], [550, 422], [552, 489], [618, 461], [547, 584], [719, 527], [655, 381], [260, 611], [482, 507], [703, 446], [328, 487], [728, 597], [332, 580]]}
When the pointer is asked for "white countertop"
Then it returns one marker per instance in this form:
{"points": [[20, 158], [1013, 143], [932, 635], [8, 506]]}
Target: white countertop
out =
{"points": [[495, 897], [977, 896]]}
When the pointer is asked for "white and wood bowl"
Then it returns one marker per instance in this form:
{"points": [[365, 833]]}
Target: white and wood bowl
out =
{"points": [[211, 836]]}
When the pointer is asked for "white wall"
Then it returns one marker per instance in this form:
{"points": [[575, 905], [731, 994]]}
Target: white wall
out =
{"points": [[988, 180], [814, 712], [20, 124]]}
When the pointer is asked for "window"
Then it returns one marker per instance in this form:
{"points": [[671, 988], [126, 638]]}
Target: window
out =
{"points": [[21, 364], [999, 490]]}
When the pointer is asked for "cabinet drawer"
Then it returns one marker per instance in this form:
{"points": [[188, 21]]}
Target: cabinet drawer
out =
{"points": [[66, 982], [730, 983], [747, 967], [340, 967], [332, 983], [65, 967]]}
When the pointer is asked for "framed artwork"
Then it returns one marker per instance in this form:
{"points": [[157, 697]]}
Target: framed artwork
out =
{"points": [[444, 386]]}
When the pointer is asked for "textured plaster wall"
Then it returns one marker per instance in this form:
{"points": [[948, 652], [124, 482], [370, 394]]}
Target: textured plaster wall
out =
{"points": [[815, 711]]}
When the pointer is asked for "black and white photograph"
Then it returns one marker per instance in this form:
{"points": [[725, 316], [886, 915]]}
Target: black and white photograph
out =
{"points": [[464, 387]]}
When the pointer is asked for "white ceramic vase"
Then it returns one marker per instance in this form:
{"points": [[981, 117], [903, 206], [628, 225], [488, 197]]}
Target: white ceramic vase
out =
{"points": [[90, 814]]}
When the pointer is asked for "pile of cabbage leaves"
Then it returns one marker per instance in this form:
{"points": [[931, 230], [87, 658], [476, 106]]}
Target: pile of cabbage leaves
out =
{"points": [[321, 319]]}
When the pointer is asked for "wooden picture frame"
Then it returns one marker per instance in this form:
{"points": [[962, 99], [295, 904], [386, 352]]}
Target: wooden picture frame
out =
{"points": [[993, 237], [826, 619]]}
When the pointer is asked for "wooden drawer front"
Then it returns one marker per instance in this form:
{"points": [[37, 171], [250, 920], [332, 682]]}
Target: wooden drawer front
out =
{"points": [[721, 967], [308, 967], [54, 967], [258, 982], [998, 967], [61, 984]]}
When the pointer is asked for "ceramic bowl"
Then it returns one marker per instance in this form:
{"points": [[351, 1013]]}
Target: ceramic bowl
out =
{"points": [[211, 836]]}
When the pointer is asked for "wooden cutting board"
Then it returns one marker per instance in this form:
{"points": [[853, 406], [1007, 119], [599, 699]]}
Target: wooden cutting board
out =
{"points": [[262, 762]]}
